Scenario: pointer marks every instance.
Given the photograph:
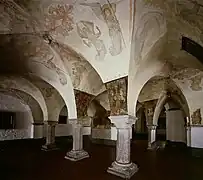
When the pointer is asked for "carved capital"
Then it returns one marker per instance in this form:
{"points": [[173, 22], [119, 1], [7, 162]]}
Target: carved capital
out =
{"points": [[151, 127], [123, 121]]}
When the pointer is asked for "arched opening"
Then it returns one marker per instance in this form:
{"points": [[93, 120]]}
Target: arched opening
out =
{"points": [[63, 116], [101, 126], [15, 118]]}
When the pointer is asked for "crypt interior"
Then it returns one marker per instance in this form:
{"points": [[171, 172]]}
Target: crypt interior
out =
{"points": [[101, 89]]}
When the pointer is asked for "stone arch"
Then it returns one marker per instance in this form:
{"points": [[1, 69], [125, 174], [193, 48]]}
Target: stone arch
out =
{"points": [[24, 85], [41, 61], [23, 118], [140, 74], [36, 110], [146, 49], [83, 75], [163, 99], [52, 98]]}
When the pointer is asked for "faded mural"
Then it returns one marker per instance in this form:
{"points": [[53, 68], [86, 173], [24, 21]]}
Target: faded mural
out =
{"points": [[117, 92], [59, 19], [86, 31], [196, 117], [82, 102], [107, 14]]}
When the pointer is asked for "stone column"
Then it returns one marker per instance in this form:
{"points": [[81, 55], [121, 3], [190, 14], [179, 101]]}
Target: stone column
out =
{"points": [[151, 135], [50, 136], [188, 135], [37, 130], [123, 166], [77, 153]]}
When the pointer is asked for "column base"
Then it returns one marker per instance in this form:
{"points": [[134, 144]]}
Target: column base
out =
{"points": [[49, 147], [123, 170], [76, 155]]}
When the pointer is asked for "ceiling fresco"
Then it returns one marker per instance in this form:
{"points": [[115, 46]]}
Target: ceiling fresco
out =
{"points": [[98, 30]]}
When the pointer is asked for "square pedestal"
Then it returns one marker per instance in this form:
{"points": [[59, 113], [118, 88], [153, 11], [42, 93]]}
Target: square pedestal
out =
{"points": [[77, 155], [123, 170], [49, 147]]}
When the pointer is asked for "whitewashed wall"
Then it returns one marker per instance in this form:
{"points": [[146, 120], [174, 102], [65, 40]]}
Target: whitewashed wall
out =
{"points": [[197, 136]]}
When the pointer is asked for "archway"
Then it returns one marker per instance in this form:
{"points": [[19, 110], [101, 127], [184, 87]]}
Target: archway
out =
{"points": [[15, 118]]}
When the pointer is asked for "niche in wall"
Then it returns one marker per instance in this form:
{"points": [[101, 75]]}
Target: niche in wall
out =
{"points": [[7, 120]]}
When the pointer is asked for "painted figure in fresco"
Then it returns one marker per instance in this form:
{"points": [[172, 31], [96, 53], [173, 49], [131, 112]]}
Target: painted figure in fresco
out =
{"points": [[196, 117], [59, 18], [87, 32], [107, 14]]}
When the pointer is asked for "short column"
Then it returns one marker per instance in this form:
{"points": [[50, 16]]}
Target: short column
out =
{"points": [[151, 136], [50, 136], [123, 166], [77, 153]]}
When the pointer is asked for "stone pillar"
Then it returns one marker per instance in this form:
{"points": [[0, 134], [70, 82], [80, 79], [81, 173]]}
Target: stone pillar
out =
{"points": [[151, 135], [37, 130], [50, 136], [77, 153], [188, 135], [123, 166]]}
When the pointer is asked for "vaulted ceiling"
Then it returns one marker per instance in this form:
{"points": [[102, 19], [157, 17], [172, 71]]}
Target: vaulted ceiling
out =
{"points": [[80, 45]]}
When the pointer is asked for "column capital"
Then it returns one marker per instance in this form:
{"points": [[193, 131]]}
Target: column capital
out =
{"points": [[123, 121], [152, 127]]}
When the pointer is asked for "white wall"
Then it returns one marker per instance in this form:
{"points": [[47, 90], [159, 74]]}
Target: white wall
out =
{"points": [[197, 136], [175, 129]]}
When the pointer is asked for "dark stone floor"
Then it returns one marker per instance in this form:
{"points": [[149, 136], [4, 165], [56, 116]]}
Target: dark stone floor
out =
{"points": [[23, 160]]}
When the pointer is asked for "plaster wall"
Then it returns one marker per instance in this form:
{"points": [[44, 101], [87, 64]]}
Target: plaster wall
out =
{"points": [[175, 127], [196, 136]]}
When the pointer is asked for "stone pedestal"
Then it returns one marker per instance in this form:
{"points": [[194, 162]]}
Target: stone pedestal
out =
{"points": [[151, 136], [50, 137], [77, 153], [123, 166]]}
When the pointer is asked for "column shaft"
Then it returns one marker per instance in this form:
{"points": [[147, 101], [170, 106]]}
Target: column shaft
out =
{"points": [[151, 136], [123, 146], [77, 137], [123, 166], [50, 136], [77, 153]]}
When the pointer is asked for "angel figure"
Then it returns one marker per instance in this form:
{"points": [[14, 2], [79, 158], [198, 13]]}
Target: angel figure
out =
{"points": [[107, 14], [90, 36]]}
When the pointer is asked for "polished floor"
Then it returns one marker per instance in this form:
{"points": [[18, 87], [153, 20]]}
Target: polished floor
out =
{"points": [[25, 161]]}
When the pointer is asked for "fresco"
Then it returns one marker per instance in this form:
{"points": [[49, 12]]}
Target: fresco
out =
{"points": [[59, 19], [196, 117], [82, 102], [107, 13], [117, 92], [86, 30]]}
